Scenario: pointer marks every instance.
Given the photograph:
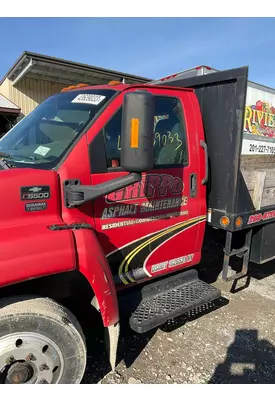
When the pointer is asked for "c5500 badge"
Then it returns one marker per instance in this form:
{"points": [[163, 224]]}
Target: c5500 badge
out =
{"points": [[35, 193]]}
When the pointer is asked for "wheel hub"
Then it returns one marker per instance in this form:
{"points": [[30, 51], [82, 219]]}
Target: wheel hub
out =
{"points": [[29, 358], [20, 372]]}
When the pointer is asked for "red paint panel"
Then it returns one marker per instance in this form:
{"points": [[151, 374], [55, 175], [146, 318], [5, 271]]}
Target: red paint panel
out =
{"points": [[93, 265], [76, 166], [91, 259], [28, 249], [34, 251], [202, 206], [118, 231], [12, 208], [180, 244]]}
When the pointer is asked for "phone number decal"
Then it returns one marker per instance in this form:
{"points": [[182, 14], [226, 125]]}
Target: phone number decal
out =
{"points": [[266, 149], [257, 147], [253, 219]]}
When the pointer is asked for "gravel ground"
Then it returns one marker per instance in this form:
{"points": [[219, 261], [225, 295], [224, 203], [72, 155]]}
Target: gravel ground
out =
{"points": [[231, 341]]}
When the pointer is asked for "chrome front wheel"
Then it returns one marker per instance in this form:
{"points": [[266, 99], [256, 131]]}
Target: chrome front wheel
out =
{"points": [[40, 342]]}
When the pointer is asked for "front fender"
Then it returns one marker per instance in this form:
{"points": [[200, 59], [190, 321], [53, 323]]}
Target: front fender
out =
{"points": [[93, 265], [34, 251]]}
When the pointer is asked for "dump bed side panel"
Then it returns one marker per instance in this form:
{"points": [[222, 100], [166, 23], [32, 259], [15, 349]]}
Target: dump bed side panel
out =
{"points": [[222, 98]]}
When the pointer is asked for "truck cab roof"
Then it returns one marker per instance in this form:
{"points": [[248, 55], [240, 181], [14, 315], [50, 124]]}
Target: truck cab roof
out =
{"points": [[121, 87]]}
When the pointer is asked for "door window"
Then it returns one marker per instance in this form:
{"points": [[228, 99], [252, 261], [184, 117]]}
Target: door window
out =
{"points": [[169, 135]]}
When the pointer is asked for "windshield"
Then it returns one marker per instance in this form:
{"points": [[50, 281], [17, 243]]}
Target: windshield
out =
{"points": [[41, 139]]}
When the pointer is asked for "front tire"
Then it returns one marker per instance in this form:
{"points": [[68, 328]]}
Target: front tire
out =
{"points": [[40, 342]]}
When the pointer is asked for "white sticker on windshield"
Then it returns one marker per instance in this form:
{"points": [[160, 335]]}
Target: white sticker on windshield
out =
{"points": [[88, 98], [42, 150]]}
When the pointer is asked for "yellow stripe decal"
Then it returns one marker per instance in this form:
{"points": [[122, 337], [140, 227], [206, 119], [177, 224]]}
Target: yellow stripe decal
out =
{"points": [[126, 262], [143, 245]]}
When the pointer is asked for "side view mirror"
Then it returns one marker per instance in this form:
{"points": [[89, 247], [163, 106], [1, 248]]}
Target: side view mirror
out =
{"points": [[137, 140], [137, 133]]}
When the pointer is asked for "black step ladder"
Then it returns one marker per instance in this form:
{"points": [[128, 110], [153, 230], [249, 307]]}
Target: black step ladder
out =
{"points": [[243, 251], [169, 298]]}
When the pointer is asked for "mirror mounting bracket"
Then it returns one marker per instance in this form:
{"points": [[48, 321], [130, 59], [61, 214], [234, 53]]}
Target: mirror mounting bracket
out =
{"points": [[76, 194]]}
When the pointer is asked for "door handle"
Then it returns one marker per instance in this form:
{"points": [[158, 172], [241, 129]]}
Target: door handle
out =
{"points": [[193, 185], [204, 146]]}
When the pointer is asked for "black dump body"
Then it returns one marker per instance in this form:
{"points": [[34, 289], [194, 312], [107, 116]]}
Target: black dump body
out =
{"points": [[222, 97]]}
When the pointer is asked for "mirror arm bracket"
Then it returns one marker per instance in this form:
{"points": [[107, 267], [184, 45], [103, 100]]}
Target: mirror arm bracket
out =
{"points": [[76, 194]]}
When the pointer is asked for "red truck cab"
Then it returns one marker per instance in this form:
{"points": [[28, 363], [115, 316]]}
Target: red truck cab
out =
{"points": [[152, 226], [111, 181]]}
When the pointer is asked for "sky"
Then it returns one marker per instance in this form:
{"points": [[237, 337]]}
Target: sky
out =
{"points": [[148, 47]]}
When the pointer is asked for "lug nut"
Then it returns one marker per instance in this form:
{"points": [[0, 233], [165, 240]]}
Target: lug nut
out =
{"points": [[43, 381], [9, 360], [43, 367], [30, 357]]}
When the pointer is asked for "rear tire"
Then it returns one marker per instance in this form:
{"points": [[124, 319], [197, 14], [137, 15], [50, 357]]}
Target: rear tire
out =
{"points": [[40, 342]]}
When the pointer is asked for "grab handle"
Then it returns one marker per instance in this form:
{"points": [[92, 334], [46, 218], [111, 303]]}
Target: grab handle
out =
{"points": [[204, 146]]}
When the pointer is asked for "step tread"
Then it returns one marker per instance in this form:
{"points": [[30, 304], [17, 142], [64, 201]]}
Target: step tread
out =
{"points": [[235, 252], [157, 309]]}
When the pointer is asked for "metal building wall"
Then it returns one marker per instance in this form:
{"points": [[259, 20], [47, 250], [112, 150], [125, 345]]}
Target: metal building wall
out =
{"points": [[5, 88], [28, 93]]}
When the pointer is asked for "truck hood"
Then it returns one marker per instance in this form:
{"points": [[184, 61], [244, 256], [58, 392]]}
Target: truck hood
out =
{"points": [[29, 196]]}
